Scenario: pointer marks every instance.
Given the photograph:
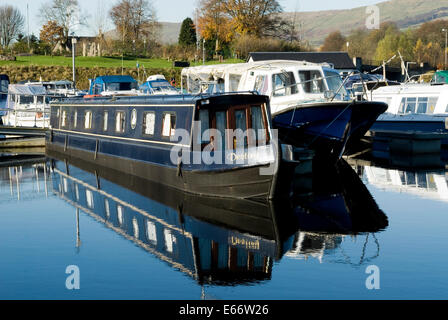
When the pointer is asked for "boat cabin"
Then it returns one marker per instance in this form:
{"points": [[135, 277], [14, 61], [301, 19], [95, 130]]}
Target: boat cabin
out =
{"points": [[213, 134], [113, 85], [157, 84], [285, 82], [413, 98]]}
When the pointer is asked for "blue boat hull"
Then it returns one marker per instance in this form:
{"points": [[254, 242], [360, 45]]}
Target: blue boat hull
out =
{"points": [[328, 128], [415, 126]]}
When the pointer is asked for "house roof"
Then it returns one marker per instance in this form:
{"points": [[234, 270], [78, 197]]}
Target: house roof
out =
{"points": [[340, 60]]}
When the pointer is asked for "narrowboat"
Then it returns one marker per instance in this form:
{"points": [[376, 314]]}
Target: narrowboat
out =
{"points": [[217, 145], [309, 104]]}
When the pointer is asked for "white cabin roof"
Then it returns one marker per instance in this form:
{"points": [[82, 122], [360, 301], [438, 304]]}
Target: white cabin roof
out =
{"points": [[27, 89], [411, 88], [210, 72]]}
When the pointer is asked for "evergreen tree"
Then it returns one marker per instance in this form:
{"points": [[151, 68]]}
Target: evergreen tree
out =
{"points": [[187, 35]]}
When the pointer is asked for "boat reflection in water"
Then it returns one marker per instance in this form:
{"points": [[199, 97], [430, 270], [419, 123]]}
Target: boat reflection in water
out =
{"points": [[215, 242], [338, 206], [422, 181], [220, 241]]}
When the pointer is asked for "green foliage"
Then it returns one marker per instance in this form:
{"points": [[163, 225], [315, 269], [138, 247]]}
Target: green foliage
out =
{"points": [[425, 44], [187, 35]]}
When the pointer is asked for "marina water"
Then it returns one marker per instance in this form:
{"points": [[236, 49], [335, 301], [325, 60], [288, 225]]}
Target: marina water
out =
{"points": [[130, 240]]}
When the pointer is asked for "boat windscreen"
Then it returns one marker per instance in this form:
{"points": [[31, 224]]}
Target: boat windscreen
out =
{"points": [[121, 86], [334, 83]]}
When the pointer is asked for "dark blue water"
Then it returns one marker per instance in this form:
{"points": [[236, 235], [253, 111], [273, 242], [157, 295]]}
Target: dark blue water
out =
{"points": [[133, 240]]}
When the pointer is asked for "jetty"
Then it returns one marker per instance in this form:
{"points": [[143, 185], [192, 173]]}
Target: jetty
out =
{"points": [[22, 137]]}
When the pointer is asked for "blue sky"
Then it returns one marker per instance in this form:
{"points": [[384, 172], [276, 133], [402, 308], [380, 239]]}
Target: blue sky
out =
{"points": [[176, 10]]}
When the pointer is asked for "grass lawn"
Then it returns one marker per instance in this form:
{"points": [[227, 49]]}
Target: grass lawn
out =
{"points": [[99, 62]]}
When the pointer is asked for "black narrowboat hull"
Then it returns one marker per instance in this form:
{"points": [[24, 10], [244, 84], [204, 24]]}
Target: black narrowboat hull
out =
{"points": [[242, 183]]}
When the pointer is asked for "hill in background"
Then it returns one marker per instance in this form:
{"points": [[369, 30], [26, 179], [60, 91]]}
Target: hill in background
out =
{"points": [[315, 26]]}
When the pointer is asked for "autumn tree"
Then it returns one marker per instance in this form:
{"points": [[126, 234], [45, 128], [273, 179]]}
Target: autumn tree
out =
{"points": [[11, 24], [213, 22], [187, 34], [65, 13], [335, 41], [51, 33], [254, 17]]}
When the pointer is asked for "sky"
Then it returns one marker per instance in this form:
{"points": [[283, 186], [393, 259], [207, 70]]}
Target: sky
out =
{"points": [[170, 10]]}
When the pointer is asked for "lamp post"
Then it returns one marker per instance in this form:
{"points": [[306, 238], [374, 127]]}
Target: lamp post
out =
{"points": [[446, 44], [73, 60]]}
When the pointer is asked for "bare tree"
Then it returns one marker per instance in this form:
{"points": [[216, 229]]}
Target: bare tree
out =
{"points": [[100, 21], [65, 13], [11, 24], [134, 19]]}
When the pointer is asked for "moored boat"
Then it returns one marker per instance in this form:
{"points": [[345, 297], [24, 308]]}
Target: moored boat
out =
{"points": [[28, 105], [4, 83], [413, 107], [309, 104], [157, 84], [217, 145]]}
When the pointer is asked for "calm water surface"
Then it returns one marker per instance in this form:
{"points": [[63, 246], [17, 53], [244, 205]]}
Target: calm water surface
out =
{"points": [[132, 240]]}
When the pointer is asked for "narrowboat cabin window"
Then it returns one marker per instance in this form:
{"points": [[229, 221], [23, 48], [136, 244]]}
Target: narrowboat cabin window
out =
{"points": [[88, 120], [249, 123], [240, 123], [205, 125], [120, 121], [258, 125], [149, 119], [168, 124], [75, 119], [133, 119], [312, 81], [221, 126], [105, 120]]}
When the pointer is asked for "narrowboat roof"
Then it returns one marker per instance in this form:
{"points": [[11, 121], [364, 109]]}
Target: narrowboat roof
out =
{"points": [[184, 99]]}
